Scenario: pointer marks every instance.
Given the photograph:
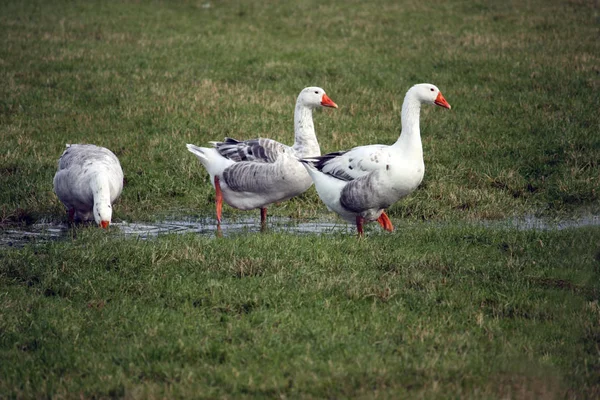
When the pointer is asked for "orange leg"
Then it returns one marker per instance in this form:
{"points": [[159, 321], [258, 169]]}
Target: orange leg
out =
{"points": [[359, 225], [385, 222], [218, 199]]}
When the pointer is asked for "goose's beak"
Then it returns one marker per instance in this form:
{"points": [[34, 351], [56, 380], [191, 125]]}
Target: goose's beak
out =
{"points": [[104, 224], [441, 101], [327, 102]]}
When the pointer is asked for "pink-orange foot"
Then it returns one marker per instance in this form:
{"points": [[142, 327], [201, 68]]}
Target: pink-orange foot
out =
{"points": [[385, 222]]}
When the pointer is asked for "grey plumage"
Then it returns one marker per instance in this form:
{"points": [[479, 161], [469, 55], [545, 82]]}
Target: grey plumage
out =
{"points": [[357, 195], [250, 176], [257, 150], [258, 172]]}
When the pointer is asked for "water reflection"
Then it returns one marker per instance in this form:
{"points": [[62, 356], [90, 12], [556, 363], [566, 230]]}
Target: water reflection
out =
{"points": [[245, 225], [534, 223], [44, 232], [36, 233]]}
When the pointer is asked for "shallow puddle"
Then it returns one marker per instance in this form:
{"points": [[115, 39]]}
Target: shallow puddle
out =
{"points": [[541, 224], [36, 233], [44, 232], [241, 225]]}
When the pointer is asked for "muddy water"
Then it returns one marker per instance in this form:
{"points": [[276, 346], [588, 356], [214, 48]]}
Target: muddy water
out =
{"points": [[44, 232]]}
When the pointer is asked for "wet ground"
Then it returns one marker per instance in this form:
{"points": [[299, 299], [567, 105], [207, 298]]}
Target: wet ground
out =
{"points": [[44, 232]]}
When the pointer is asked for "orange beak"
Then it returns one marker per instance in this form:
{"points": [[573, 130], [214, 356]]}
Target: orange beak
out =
{"points": [[327, 102], [441, 101], [104, 224]]}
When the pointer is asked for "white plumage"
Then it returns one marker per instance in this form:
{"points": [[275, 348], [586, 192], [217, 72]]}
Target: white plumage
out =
{"points": [[361, 183], [255, 173], [88, 181]]}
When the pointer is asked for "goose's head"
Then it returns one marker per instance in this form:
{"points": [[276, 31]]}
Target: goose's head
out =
{"points": [[314, 97], [102, 213], [429, 94]]}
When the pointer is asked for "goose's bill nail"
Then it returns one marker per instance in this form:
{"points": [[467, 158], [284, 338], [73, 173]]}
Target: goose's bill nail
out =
{"points": [[441, 101], [104, 224], [327, 102]]}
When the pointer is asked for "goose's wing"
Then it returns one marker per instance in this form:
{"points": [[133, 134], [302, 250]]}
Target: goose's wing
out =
{"points": [[255, 177], [256, 150], [77, 165], [352, 164], [359, 195], [78, 155]]}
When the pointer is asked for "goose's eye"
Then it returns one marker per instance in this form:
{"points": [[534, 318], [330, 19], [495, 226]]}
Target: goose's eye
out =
{"points": [[316, 92], [432, 89]]}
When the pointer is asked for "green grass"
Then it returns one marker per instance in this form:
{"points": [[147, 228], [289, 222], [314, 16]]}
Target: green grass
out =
{"points": [[444, 308], [144, 79], [451, 312]]}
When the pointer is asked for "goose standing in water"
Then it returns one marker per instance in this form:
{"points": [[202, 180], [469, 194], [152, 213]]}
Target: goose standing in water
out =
{"points": [[258, 172], [359, 184], [88, 181]]}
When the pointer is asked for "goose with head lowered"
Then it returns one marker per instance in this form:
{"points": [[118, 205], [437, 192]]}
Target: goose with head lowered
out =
{"points": [[88, 181], [359, 184], [255, 173]]}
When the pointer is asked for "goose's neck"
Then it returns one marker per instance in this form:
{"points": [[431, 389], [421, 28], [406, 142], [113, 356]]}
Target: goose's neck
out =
{"points": [[305, 144], [410, 138], [100, 187], [101, 191]]}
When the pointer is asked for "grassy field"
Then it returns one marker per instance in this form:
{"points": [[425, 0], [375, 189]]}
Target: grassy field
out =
{"points": [[452, 312], [443, 307], [144, 79]]}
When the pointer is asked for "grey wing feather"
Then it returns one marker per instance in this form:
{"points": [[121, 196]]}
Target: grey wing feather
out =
{"points": [[257, 150], [326, 164], [357, 195], [253, 177]]}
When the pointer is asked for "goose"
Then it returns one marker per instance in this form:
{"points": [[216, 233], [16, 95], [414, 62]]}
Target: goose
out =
{"points": [[88, 181], [255, 173], [359, 184]]}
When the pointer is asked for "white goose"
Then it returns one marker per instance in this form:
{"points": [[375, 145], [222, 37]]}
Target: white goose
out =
{"points": [[361, 183], [88, 181], [255, 173]]}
